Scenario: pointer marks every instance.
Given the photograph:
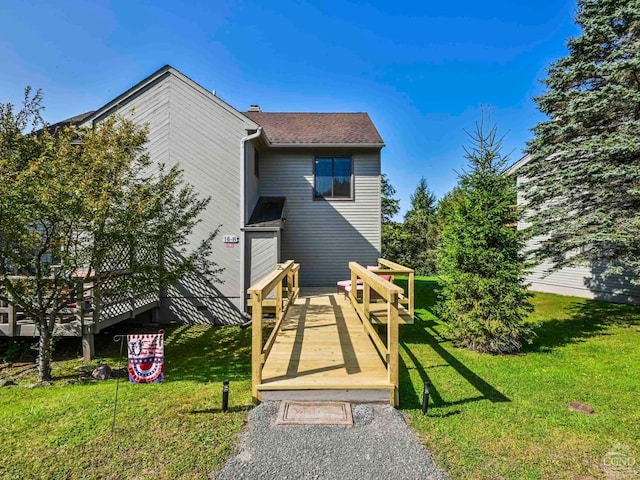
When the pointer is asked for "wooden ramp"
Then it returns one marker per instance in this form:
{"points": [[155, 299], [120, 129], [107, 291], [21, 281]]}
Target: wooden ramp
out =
{"points": [[323, 353]]}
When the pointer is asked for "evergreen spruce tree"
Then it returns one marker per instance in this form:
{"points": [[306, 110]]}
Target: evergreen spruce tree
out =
{"points": [[583, 188], [484, 298], [421, 232], [445, 209]]}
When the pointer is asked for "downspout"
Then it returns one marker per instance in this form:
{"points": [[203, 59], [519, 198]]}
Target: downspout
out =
{"points": [[243, 217]]}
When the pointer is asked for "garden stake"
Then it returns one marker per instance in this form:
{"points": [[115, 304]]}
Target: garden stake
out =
{"points": [[425, 398], [225, 394], [117, 338]]}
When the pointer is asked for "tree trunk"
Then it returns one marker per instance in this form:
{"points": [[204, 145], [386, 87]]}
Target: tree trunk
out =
{"points": [[44, 351]]}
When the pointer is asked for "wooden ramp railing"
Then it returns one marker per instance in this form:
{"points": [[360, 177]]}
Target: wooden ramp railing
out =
{"points": [[259, 292], [390, 294], [96, 304], [388, 267]]}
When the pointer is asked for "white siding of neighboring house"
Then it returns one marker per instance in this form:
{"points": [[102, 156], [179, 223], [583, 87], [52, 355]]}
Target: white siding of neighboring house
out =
{"points": [[191, 127], [584, 282], [323, 236], [579, 281]]}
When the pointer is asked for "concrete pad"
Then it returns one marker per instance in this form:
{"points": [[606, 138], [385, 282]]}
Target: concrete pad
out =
{"points": [[293, 412]]}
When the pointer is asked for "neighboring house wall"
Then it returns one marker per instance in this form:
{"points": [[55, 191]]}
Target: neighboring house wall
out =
{"points": [[584, 282], [579, 281], [191, 127], [323, 236]]}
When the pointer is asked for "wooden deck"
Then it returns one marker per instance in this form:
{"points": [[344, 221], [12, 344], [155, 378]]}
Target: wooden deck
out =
{"points": [[323, 352], [78, 322], [72, 327]]}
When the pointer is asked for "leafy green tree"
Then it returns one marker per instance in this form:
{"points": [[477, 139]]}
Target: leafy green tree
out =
{"points": [[392, 232], [394, 240], [484, 297], [421, 232], [583, 188], [82, 205], [390, 205]]}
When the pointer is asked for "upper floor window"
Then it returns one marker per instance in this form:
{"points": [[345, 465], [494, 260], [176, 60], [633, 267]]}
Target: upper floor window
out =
{"points": [[333, 177]]}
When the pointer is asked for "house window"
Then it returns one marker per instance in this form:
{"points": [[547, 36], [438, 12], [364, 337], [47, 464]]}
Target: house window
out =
{"points": [[333, 177]]}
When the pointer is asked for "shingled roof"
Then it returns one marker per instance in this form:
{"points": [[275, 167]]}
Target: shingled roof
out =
{"points": [[288, 128], [69, 121]]}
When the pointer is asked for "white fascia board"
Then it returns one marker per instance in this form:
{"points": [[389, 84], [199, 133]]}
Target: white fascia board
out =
{"points": [[520, 163]]}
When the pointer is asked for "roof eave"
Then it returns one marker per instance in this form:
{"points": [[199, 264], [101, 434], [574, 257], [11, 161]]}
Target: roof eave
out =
{"points": [[113, 104], [520, 163], [166, 70]]}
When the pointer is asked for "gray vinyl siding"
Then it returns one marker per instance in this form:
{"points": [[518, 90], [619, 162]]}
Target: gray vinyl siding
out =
{"points": [[251, 186], [262, 255], [191, 127], [205, 141], [149, 107], [323, 236]]}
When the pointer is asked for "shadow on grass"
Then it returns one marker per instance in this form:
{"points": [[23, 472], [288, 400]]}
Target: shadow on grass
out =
{"points": [[561, 323], [201, 353], [585, 319], [423, 332], [207, 353], [419, 333]]}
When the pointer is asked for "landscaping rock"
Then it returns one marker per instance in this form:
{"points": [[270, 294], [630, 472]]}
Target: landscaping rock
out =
{"points": [[120, 373], [86, 369], [39, 384], [581, 407], [6, 382], [102, 372]]}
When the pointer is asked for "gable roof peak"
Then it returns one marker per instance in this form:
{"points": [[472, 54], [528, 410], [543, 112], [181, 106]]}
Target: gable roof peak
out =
{"points": [[162, 72]]}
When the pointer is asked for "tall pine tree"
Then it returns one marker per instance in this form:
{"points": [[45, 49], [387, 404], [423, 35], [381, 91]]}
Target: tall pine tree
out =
{"points": [[583, 188], [420, 230], [484, 298]]}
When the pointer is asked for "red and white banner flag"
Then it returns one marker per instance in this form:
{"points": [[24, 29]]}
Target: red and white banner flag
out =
{"points": [[146, 357]]}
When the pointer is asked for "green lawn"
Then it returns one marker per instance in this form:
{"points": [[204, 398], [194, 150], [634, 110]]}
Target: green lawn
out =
{"points": [[169, 430], [490, 417], [506, 416]]}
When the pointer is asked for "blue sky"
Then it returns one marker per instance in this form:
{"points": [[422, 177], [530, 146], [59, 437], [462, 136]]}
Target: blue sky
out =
{"points": [[422, 70]]}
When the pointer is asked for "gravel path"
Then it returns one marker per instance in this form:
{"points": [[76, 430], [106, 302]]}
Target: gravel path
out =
{"points": [[379, 445]]}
